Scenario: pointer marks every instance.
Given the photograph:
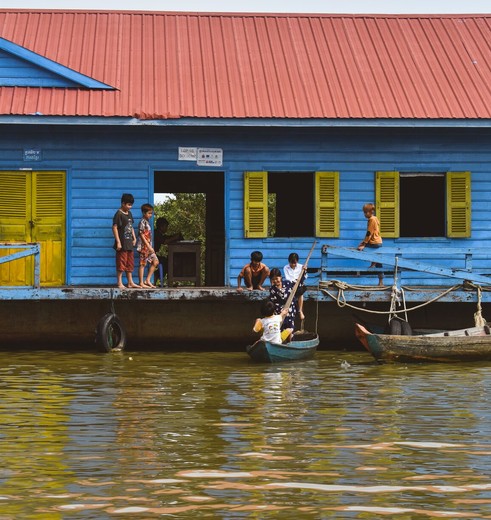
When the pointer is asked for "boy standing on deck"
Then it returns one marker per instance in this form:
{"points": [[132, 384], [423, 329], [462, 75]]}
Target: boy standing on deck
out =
{"points": [[372, 238], [253, 273], [124, 241]]}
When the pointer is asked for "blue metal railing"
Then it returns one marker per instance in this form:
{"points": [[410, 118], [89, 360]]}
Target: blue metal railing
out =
{"points": [[29, 249], [392, 257]]}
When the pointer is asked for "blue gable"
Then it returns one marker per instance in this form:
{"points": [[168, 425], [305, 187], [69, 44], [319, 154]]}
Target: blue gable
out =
{"points": [[20, 67], [16, 72]]}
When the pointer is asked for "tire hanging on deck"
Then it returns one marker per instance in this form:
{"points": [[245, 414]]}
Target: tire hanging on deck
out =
{"points": [[398, 327], [406, 329], [395, 327], [110, 333]]}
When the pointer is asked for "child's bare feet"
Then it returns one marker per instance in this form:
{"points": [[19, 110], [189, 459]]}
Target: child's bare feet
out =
{"points": [[121, 286], [134, 286], [261, 288], [148, 284]]}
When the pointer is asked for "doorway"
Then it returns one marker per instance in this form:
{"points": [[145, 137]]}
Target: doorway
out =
{"points": [[32, 209], [211, 184]]}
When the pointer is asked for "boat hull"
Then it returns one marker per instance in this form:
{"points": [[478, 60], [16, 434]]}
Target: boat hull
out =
{"points": [[301, 348], [457, 346]]}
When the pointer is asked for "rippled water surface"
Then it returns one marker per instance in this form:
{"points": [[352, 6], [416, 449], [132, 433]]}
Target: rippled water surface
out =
{"points": [[213, 435]]}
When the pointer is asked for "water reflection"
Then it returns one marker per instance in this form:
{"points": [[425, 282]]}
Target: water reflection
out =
{"points": [[213, 435]]}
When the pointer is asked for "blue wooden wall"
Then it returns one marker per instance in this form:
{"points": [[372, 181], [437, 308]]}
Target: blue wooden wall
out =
{"points": [[103, 162]]}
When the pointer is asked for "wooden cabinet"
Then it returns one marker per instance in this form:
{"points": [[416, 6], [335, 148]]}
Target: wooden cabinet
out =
{"points": [[184, 259]]}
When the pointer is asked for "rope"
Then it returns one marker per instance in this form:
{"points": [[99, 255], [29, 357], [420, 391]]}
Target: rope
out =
{"points": [[345, 304], [396, 297], [479, 321], [354, 287], [112, 302], [404, 302], [317, 311], [394, 300]]}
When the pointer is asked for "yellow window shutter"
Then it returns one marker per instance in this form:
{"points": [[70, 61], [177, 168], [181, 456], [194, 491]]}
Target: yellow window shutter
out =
{"points": [[458, 204], [14, 195], [387, 203], [255, 204], [50, 195], [327, 204]]}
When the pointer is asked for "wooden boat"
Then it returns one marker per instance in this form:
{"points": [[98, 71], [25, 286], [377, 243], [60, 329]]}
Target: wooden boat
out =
{"points": [[302, 347], [472, 344]]}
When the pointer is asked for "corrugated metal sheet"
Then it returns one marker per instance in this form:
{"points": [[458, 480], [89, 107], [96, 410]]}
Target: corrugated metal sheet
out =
{"points": [[174, 65]]}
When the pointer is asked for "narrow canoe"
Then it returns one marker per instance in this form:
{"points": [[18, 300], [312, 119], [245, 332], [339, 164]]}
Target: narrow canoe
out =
{"points": [[472, 344], [302, 347]]}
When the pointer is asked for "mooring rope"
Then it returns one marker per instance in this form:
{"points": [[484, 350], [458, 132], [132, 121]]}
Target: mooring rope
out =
{"points": [[341, 299], [479, 321], [112, 302]]}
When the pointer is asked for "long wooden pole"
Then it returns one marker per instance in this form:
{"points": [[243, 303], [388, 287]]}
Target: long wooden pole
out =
{"points": [[297, 283]]}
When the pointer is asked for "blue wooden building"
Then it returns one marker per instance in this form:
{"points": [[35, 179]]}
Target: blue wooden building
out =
{"points": [[288, 124]]}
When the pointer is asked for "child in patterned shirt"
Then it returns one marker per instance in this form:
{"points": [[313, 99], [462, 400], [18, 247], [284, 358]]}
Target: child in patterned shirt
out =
{"points": [[144, 247]]}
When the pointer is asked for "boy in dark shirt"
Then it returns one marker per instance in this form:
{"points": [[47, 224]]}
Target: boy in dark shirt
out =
{"points": [[124, 241]]}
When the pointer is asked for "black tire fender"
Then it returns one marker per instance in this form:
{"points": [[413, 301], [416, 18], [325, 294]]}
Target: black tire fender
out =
{"points": [[110, 333], [395, 328], [398, 327], [406, 329]]}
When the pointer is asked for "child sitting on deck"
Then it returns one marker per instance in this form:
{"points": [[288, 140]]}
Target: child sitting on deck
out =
{"points": [[253, 273], [270, 324]]}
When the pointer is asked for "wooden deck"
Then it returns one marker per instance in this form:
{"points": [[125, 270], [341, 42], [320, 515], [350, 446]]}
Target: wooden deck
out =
{"points": [[366, 293]]}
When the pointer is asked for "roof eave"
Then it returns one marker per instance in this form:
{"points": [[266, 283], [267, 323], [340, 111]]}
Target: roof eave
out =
{"points": [[39, 119]]}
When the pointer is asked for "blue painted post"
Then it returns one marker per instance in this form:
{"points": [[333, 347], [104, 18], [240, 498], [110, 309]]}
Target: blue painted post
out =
{"points": [[37, 265]]}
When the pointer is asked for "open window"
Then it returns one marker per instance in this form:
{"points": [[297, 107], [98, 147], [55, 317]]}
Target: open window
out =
{"points": [[420, 204], [291, 204]]}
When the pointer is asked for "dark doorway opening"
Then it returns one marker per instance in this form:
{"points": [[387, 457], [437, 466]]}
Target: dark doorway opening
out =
{"points": [[212, 185], [422, 204]]}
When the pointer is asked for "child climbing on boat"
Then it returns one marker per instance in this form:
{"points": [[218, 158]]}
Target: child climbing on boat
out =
{"points": [[372, 237], [279, 293], [293, 271], [270, 324]]}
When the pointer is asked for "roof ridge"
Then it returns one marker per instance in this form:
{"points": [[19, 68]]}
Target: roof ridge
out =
{"points": [[248, 14]]}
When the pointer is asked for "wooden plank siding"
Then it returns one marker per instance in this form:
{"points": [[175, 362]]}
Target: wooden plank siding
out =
{"points": [[103, 162]]}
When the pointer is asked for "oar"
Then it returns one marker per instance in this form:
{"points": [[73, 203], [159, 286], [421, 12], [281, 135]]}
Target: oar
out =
{"points": [[297, 283]]}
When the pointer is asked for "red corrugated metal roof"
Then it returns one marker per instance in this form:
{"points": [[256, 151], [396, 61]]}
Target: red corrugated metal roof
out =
{"points": [[201, 65]]}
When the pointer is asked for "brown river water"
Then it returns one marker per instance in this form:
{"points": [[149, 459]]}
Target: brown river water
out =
{"points": [[86, 435]]}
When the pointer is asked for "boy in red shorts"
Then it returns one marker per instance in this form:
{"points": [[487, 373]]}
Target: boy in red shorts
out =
{"points": [[124, 241]]}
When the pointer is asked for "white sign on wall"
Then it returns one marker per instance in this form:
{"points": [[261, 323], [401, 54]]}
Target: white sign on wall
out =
{"points": [[210, 157], [32, 154], [187, 154]]}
